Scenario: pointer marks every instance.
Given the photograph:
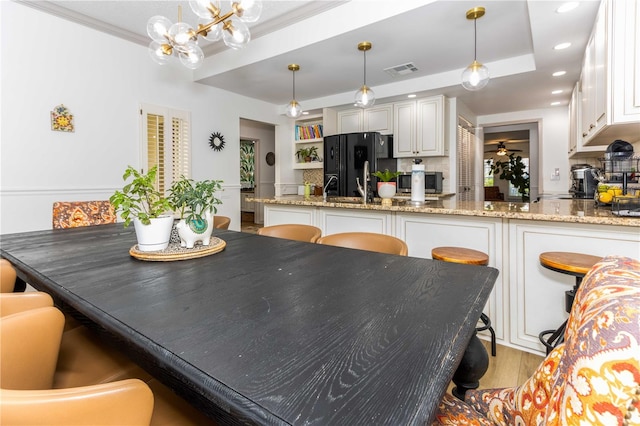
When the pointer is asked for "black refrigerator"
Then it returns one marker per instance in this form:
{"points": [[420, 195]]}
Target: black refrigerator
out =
{"points": [[344, 157]]}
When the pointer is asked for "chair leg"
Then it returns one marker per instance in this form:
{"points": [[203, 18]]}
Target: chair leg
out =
{"points": [[487, 326]]}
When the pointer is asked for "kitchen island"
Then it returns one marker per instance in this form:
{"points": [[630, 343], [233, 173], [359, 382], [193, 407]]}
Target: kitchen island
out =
{"points": [[527, 298]]}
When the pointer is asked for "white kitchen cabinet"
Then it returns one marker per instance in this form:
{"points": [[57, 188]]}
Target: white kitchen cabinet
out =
{"points": [[278, 215], [375, 119], [334, 221], [577, 148], [422, 233], [610, 80], [350, 121], [536, 293], [246, 206], [419, 128]]}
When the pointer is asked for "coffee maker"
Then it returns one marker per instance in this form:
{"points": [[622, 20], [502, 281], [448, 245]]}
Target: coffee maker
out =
{"points": [[584, 183]]}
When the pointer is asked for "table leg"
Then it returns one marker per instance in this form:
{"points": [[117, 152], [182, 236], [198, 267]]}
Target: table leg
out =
{"points": [[472, 367]]}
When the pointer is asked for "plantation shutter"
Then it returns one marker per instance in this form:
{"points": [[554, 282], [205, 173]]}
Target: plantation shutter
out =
{"points": [[166, 148], [465, 144]]}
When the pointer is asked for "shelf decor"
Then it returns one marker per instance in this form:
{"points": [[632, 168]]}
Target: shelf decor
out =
{"points": [[61, 119]]}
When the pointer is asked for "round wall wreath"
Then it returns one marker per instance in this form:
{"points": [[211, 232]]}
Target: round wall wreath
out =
{"points": [[216, 141]]}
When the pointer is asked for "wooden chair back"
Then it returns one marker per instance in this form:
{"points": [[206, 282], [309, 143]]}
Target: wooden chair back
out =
{"points": [[369, 241], [221, 222]]}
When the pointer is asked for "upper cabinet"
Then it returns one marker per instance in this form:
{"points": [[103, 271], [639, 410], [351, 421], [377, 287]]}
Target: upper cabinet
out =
{"points": [[419, 128], [576, 145], [610, 80], [375, 119]]}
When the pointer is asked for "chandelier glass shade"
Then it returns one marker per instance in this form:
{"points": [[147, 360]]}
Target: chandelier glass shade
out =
{"points": [[476, 75], [181, 40], [365, 97], [294, 110]]}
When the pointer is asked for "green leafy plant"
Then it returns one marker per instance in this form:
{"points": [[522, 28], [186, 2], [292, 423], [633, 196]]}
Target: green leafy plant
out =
{"points": [[386, 176], [307, 154], [192, 198], [515, 172], [247, 160], [140, 198]]}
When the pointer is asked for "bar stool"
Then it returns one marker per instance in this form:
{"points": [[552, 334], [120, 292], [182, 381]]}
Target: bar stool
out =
{"points": [[575, 264], [475, 360], [468, 257]]}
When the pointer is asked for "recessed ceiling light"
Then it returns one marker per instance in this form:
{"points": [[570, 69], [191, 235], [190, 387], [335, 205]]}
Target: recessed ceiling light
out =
{"points": [[555, 103], [561, 46], [305, 112], [411, 96], [570, 5], [557, 92], [558, 73]]}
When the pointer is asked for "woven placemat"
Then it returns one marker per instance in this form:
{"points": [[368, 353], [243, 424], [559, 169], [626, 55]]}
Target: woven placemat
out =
{"points": [[175, 252]]}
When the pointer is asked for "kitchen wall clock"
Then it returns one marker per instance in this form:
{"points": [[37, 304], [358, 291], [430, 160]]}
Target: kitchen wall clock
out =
{"points": [[216, 141]]}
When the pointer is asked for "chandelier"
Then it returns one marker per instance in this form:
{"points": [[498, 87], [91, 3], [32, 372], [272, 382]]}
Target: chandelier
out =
{"points": [[181, 40], [476, 75]]}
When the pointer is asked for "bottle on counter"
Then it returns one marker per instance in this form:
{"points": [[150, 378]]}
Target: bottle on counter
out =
{"points": [[417, 181]]}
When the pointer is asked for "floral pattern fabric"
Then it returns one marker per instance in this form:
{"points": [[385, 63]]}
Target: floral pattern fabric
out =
{"points": [[82, 213], [591, 379]]}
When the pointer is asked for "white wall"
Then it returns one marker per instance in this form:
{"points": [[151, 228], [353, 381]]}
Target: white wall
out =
{"points": [[102, 80], [553, 143]]}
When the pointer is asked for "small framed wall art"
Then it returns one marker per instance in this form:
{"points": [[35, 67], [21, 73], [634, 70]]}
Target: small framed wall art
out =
{"points": [[61, 119]]}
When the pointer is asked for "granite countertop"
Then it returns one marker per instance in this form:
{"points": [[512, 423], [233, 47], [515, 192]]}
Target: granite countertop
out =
{"points": [[553, 210]]}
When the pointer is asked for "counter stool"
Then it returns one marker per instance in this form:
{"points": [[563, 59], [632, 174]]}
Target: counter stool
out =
{"points": [[475, 360], [468, 257], [575, 264]]}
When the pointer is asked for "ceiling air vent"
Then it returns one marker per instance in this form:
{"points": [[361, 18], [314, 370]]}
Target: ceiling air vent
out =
{"points": [[403, 69]]}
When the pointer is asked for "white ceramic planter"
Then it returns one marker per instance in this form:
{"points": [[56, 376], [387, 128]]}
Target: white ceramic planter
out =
{"points": [[386, 189], [195, 231], [155, 236]]}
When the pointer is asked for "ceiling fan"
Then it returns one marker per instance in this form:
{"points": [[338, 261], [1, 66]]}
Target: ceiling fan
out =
{"points": [[501, 149]]}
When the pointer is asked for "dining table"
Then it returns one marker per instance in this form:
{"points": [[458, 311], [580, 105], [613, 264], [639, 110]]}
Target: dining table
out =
{"points": [[268, 330]]}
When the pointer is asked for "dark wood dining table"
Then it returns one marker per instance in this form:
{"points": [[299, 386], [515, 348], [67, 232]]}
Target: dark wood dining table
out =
{"points": [[270, 331]]}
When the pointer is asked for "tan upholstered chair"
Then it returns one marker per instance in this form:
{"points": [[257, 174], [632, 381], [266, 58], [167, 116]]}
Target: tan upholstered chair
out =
{"points": [[367, 241], [297, 232], [221, 222], [127, 402], [13, 303], [28, 352], [7, 276], [72, 214]]}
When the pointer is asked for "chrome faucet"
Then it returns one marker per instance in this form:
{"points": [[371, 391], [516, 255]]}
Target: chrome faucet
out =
{"points": [[364, 191], [324, 190]]}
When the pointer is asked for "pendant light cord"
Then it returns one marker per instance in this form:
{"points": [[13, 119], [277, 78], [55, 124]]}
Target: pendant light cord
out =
{"points": [[294, 85], [475, 39], [365, 67]]}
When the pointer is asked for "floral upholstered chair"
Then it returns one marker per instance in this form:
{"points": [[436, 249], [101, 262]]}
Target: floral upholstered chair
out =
{"points": [[82, 213], [591, 379]]}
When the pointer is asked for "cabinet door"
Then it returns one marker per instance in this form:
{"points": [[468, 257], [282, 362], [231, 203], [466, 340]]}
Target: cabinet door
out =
{"points": [[404, 129], [587, 82], [430, 130], [350, 121], [379, 119]]}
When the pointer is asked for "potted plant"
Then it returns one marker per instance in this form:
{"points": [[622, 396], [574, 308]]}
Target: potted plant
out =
{"points": [[195, 203], [386, 188], [307, 154], [139, 201], [514, 171]]}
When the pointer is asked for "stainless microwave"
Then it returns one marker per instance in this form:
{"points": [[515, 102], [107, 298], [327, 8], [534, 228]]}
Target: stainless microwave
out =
{"points": [[432, 182]]}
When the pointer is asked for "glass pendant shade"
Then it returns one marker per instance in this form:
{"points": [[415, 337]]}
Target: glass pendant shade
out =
{"points": [[192, 56], [201, 7], [250, 10], [215, 33], [180, 33], [365, 97], [158, 28], [156, 52], [294, 110], [236, 35], [475, 76]]}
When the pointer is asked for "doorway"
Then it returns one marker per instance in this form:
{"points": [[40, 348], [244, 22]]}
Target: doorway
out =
{"points": [[500, 142]]}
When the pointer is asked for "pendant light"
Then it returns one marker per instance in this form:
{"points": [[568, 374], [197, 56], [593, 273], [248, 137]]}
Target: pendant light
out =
{"points": [[365, 96], [294, 110], [476, 75]]}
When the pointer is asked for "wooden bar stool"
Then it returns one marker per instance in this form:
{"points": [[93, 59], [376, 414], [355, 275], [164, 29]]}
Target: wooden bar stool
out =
{"points": [[475, 360], [575, 264], [467, 257]]}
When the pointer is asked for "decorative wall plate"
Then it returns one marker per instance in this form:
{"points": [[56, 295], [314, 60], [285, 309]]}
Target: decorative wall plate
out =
{"points": [[270, 158], [61, 119], [216, 141]]}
